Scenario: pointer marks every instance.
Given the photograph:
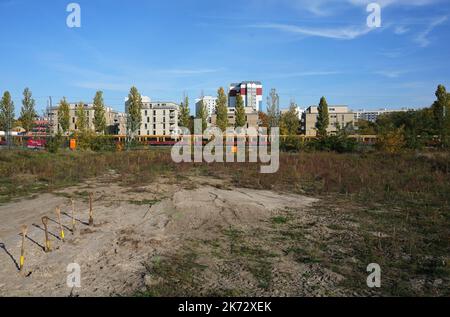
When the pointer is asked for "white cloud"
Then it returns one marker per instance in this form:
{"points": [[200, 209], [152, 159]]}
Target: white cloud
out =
{"points": [[329, 7], [422, 38], [401, 29], [390, 73], [342, 33], [304, 74]]}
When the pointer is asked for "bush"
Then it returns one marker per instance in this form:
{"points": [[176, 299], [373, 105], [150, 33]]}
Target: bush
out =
{"points": [[54, 143], [103, 144], [392, 141], [334, 143], [291, 144]]}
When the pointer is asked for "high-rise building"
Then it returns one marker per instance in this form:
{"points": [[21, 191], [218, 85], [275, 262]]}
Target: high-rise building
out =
{"points": [[251, 92]]}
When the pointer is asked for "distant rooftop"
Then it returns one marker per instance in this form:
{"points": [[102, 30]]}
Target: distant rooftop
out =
{"points": [[247, 82]]}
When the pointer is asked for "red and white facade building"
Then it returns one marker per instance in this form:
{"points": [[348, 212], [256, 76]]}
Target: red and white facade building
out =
{"points": [[251, 92]]}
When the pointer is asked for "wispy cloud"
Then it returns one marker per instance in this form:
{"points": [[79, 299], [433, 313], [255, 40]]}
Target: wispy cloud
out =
{"points": [[304, 74], [390, 73], [401, 29], [343, 33], [331, 7], [422, 38], [188, 72]]}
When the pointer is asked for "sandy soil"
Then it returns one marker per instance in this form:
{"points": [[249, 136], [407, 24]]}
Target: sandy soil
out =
{"points": [[133, 225]]}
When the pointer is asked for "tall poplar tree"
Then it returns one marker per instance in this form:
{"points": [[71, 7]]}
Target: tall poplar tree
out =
{"points": [[273, 108], [185, 113], [323, 119], [240, 112], [134, 115], [203, 115], [99, 113], [64, 115], [28, 113], [6, 112], [221, 110], [81, 120]]}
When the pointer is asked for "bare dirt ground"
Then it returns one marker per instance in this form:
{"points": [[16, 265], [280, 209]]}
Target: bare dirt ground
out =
{"points": [[198, 236]]}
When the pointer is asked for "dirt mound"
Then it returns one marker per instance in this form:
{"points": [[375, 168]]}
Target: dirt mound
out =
{"points": [[132, 225]]}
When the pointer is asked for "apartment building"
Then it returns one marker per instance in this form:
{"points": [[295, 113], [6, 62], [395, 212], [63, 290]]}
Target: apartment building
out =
{"points": [[111, 117], [372, 115], [251, 92], [251, 119], [339, 116], [159, 118]]}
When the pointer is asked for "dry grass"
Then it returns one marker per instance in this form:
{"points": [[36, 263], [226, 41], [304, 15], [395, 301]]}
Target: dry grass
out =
{"points": [[403, 197]]}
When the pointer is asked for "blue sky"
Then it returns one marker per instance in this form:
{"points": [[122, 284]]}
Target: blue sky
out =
{"points": [[303, 48]]}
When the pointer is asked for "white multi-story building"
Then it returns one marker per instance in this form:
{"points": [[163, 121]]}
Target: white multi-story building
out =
{"points": [[251, 92], [372, 115], [159, 118], [300, 112], [209, 102]]}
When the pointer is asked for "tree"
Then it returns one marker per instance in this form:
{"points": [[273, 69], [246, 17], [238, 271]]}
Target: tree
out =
{"points": [[366, 127], [392, 141], [185, 113], [289, 122], [323, 119], [222, 110], [441, 111], [240, 112], [263, 119], [64, 115], [99, 113], [273, 108], [81, 121], [289, 126], [418, 126], [6, 112], [134, 115], [203, 115], [28, 113]]}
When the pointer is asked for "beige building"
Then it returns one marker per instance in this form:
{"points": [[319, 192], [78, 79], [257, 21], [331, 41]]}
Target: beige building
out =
{"points": [[339, 116], [159, 118], [251, 119], [112, 118]]}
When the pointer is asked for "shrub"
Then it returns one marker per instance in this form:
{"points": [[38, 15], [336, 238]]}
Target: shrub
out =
{"points": [[334, 143], [54, 143], [102, 144], [291, 144], [392, 141]]}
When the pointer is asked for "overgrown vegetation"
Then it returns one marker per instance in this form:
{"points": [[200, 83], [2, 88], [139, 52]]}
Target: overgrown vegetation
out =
{"points": [[399, 204]]}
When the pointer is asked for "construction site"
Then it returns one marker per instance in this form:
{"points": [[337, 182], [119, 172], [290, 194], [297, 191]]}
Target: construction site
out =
{"points": [[137, 224]]}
